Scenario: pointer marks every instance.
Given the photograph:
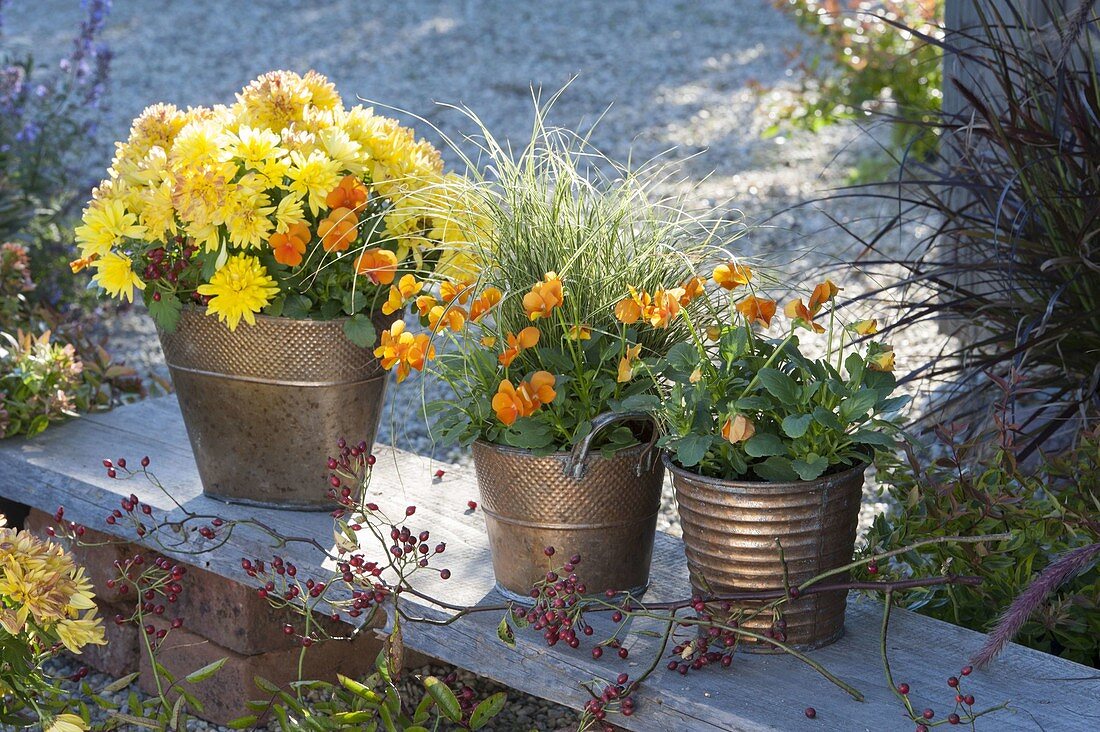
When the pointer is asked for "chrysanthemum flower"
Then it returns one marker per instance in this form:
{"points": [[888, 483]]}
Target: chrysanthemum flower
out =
{"points": [[757, 310], [732, 275], [289, 248], [527, 338], [240, 289], [377, 265], [544, 297], [106, 223], [115, 274], [314, 176]]}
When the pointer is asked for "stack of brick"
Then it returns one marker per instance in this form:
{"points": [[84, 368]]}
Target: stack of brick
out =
{"points": [[221, 619]]}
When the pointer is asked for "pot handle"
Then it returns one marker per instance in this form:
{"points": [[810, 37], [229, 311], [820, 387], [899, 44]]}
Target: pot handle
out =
{"points": [[575, 465]]}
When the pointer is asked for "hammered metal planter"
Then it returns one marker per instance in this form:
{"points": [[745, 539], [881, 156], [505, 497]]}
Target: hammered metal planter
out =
{"points": [[730, 532], [604, 509], [265, 405]]}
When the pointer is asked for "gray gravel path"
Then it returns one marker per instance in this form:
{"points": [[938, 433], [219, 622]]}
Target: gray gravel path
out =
{"points": [[678, 75]]}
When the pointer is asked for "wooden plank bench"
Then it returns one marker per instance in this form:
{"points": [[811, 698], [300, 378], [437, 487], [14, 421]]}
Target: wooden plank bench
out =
{"points": [[761, 692]]}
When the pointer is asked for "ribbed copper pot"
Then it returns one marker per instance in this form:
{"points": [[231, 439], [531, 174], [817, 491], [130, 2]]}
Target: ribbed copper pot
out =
{"points": [[264, 405], [603, 508], [730, 534]]}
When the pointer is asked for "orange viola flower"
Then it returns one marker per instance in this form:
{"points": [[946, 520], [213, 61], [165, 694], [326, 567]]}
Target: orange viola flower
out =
{"points": [[78, 265], [488, 341], [527, 338], [732, 275], [738, 429], [451, 316], [401, 293], [880, 358], [822, 294], [864, 327], [626, 364], [757, 310], [579, 333], [289, 247], [450, 291], [797, 311], [483, 303], [338, 231], [424, 304], [663, 307], [404, 350], [378, 265], [630, 309], [350, 194], [693, 288], [544, 297], [512, 402]]}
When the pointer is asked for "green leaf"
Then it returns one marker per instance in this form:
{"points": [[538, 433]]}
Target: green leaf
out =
{"points": [[360, 690], [827, 419], [505, 633], [297, 306], [810, 468], [205, 672], [246, 722], [638, 403], [780, 385], [795, 425], [776, 469], [691, 449], [487, 709], [264, 685], [360, 330], [444, 698], [763, 444], [166, 311], [119, 684], [857, 405], [891, 405], [870, 437]]}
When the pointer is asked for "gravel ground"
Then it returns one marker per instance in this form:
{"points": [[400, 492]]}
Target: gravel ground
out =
{"points": [[680, 75]]}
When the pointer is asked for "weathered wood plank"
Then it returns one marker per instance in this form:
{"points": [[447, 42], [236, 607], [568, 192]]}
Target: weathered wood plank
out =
{"points": [[63, 467]]}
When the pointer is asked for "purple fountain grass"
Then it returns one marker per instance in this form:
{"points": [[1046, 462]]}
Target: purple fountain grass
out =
{"points": [[1049, 580]]}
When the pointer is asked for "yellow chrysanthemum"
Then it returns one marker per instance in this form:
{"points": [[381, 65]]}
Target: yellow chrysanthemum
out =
{"points": [[275, 100], [115, 274], [198, 143], [289, 212], [106, 223], [75, 633], [313, 176], [341, 148], [247, 220], [156, 126], [200, 194], [240, 289], [322, 92], [67, 723], [158, 215]]}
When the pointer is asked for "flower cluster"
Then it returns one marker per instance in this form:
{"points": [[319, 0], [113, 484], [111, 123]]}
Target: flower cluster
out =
{"points": [[740, 404], [285, 203]]}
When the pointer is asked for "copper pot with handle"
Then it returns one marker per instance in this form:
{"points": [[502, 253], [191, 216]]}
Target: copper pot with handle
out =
{"points": [[579, 502]]}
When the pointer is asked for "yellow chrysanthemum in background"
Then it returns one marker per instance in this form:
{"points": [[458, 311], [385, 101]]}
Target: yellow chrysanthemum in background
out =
{"points": [[115, 274], [275, 100], [240, 289]]}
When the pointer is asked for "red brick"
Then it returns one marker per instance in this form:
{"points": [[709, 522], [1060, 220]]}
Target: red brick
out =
{"points": [[224, 696], [98, 559]]}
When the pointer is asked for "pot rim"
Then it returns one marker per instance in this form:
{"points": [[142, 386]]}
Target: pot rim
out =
{"points": [[557, 454], [847, 474], [309, 322]]}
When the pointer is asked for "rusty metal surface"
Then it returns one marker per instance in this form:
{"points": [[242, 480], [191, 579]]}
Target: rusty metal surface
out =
{"points": [[264, 405], [608, 515], [730, 531]]}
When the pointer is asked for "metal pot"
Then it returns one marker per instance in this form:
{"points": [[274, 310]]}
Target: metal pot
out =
{"points": [[265, 405], [603, 508], [731, 529]]}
